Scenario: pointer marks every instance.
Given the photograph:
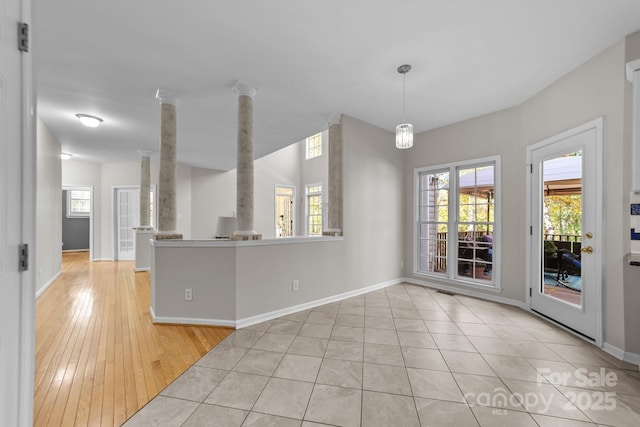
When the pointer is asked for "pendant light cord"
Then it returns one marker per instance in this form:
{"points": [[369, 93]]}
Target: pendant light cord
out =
{"points": [[404, 97]]}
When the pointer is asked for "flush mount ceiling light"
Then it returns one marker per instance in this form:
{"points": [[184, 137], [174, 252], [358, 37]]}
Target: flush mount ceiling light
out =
{"points": [[88, 120], [66, 156], [404, 131]]}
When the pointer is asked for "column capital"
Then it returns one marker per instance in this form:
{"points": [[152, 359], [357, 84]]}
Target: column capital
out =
{"points": [[334, 119], [166, 97], [144, 153], [246, 89]]}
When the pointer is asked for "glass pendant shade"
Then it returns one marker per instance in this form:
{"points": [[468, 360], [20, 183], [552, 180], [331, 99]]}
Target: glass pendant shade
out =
{"points": [[404, 135]]}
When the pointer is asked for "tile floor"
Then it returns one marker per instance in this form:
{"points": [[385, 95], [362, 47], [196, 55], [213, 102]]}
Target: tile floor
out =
{"points": [[402, 356]]}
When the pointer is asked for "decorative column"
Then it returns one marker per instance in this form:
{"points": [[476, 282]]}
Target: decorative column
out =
{"points": [[244, 177], [145, 189], [334, 214], [144, 233], [167, 205]]}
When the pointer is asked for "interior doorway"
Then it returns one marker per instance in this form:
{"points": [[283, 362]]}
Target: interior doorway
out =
{"points": [[566, 228], [77, 219], [285, 211], [126, 216]]}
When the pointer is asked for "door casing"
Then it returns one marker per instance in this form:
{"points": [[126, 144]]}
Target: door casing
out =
{"points": [[598, 220]]}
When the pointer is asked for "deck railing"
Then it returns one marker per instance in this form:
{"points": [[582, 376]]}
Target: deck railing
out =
{"points": [[571, 242]]}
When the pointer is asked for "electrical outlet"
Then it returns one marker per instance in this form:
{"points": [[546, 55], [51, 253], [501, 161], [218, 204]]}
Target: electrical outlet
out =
{"points": [[188, 294], [295, 285]]}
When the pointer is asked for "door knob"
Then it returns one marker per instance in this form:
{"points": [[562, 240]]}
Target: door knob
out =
{"points": [[588, 235], [587, 249]]}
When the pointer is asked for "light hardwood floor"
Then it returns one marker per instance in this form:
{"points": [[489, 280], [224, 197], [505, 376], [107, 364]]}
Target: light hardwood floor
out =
{"points": [[99, 358]]}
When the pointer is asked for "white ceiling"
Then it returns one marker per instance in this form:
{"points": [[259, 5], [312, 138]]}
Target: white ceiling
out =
{"points": [[308, 59]]}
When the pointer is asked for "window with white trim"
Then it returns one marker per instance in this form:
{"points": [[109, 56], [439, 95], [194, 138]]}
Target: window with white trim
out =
{"points": [[314, 146], [314, 210], [78, 203], [456, 227]]}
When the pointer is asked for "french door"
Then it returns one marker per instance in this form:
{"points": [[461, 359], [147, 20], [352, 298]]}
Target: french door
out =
{"points": [[566, 249], [127, 217]]}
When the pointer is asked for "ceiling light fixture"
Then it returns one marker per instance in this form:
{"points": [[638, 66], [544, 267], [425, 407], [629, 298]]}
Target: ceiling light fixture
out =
{"points": [[66, 156], [404, 131], [89, 121]]}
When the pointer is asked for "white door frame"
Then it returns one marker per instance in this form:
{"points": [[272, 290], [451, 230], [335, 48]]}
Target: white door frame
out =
{"points": [[90, 188], [293, 209], [18, 212], [114, 213], [599, 255], [114, 223]]}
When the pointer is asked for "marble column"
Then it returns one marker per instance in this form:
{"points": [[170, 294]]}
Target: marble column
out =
{"points": [[334, 214], [145, 189], [244, 178], [167, 205]]}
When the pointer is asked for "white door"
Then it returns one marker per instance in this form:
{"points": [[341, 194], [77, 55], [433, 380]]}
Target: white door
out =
{"points": [[127, 217], [17, 220], [566, 229]]}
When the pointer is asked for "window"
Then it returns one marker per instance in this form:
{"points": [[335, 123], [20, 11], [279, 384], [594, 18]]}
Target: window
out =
{"points": [[434, 221], [314, 146], [314, 210], [78, 203], [456, 221]]}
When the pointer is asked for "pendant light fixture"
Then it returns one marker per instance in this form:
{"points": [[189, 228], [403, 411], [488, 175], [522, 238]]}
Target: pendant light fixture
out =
{"points": [[404, 131]]}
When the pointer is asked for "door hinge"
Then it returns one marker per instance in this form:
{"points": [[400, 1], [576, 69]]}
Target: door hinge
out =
{"points": [[530, 167], [530, 292], [531, 230], [23, 257], [23, 37]]}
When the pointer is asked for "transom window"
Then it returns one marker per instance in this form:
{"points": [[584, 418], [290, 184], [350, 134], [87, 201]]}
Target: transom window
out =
{"points": [[456, 221], [314, 146]]}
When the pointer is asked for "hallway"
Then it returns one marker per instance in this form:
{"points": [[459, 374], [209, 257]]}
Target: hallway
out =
{"points": [[99, 358]]}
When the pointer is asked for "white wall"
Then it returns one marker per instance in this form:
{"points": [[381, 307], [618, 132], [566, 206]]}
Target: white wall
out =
{"points": [[594, 89], [494, 134], [279, 168], [373, 204], [214, 192], [213, 195], [48, 208], [367, 256], [104, 178], [183, 199]]}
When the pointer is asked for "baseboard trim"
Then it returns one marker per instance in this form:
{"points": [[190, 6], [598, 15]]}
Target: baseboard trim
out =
{"points": [[248, 321], [49, 283], [190, 321], [252, 320], [142, 269], [466, 292], [102, 259], [632, 358], [64, 251], [619, 353]]}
